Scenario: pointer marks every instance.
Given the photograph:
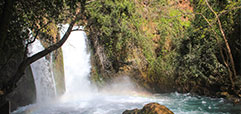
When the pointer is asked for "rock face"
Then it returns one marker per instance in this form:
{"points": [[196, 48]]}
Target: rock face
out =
{"points": [[25, 93], [57, 59], [123, 53], [151, 108], [58, 70]]}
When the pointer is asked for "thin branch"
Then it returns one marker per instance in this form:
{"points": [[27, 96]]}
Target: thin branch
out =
{"points": [[35, 37], [11, 84], [89, 1], [226, 11], [226, 43], [224, 37]]}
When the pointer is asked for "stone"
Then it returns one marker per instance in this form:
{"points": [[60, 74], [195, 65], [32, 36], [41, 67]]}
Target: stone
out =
{"points": [[134, 111], [225, 94], [151, 108]]}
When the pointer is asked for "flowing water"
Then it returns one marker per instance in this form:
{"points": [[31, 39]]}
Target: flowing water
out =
{"points": [[43, 76], [83, 98]]}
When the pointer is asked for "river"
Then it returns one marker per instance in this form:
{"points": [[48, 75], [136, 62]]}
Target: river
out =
{"points": [[82, 97]]}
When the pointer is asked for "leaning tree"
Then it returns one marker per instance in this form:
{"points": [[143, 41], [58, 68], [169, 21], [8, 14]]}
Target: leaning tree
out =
{"points": [[21, 24]]}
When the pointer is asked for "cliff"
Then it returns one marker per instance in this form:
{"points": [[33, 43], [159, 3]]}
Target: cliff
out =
{"points": [[55, 57], [165, 46]]}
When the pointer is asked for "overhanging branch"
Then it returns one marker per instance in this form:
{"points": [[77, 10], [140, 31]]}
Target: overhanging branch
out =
{"points": [[11, 84], [35, 37]]}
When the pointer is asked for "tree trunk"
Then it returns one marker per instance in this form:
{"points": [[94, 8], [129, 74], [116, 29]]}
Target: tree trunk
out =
{"points": [[11, 84], [5, 20]]}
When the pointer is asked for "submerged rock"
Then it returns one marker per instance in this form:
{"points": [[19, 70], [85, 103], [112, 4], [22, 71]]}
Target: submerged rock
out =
{"points": [[151, 108]]}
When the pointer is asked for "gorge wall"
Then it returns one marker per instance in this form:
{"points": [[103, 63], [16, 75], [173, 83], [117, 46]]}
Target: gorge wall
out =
{"points": [[12, 57], [136, 39], [56, 57], [161, 45]]}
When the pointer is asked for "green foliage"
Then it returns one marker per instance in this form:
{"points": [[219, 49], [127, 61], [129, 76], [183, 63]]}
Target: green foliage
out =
{"points": [[154, 29], [163, 44], [112, 19], [199, 53], [21, 23], [198, 58], [158, 42], [96, 77], [33, 15]]}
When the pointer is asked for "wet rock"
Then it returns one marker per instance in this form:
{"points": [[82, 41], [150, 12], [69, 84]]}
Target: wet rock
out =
{"points": [[225, 94], [151, 108], [57, 59], [58, 71], [235, 100], [134, 111]]}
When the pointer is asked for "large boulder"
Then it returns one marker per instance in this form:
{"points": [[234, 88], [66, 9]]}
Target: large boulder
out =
{"points": [[151, 108]]}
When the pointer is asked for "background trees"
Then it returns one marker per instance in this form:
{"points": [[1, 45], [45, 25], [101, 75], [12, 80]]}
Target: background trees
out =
{"points": [[209, 55], [194, 45], [24, 21], [164, 42]]}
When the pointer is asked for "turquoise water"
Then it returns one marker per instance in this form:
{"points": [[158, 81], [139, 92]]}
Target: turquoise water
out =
{"points": [[116, 104], [82, 97]]}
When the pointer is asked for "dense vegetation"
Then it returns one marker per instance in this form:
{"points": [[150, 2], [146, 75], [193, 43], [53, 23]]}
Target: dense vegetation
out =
{"points": [[164, 45], [204, 58], [173, 45], [22, 22]]}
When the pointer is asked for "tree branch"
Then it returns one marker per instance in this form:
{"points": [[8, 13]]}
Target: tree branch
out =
{"points": [[220, 48], [226, 11], [226, 43], [35, 37], [11, 84]]}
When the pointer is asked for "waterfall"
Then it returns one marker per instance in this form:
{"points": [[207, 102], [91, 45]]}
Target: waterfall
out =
{"points": [[77, 65], [43, 75], [82, 98]]}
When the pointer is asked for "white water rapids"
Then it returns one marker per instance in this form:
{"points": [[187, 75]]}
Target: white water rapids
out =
{"points": [[83, 98]]}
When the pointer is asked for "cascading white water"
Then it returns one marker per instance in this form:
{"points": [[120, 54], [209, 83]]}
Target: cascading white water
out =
{"points": [[43, 76], [52, 73], [82, 98], [77, 66]]}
